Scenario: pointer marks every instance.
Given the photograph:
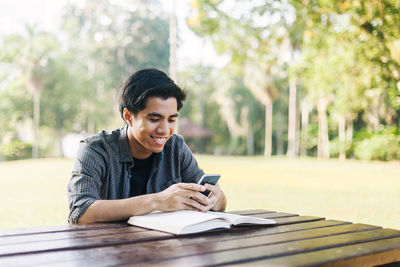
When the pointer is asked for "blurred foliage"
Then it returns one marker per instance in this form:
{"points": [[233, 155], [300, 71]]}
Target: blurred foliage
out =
{"points": [[201, 108], [78, 71], [381, 145], [16, 149], [111, 41], [342, 56]]}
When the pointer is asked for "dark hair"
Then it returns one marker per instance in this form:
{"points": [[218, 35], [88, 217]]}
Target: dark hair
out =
{"points": [[144, 84]]}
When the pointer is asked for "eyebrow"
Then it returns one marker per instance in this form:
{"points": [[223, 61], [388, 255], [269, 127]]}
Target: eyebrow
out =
{"points": [[155, 114]]}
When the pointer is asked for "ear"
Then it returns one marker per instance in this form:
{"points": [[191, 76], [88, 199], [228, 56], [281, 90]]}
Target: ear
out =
{"points": [[127, 116]]}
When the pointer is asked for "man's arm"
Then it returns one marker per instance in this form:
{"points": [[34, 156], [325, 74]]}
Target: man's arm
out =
{"points": [[192, 173], [176, 197]]}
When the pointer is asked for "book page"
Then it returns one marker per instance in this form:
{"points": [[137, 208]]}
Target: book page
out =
{"points": [[177, 221], [236, 219]]}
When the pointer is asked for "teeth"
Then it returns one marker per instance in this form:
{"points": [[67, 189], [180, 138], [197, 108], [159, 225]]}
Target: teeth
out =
{"points": [[160, 140]]}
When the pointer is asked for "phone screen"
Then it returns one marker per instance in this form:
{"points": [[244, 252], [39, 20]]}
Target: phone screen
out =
{"points": [[209, 179]]}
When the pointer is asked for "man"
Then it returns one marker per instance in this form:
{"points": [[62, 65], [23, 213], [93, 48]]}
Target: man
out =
{"points": [[143, 166]]}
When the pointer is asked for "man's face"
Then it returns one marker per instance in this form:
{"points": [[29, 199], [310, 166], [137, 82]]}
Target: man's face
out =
{"points": [[153, 126]]}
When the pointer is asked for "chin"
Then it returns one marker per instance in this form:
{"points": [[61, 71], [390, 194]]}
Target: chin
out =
{"points": [[156, 149]]}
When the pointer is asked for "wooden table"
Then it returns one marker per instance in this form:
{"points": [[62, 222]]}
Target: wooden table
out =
{"points": [[296, 241]]}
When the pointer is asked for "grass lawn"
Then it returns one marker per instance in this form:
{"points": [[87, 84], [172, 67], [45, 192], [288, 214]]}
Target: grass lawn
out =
{"points": [[33, 192]]}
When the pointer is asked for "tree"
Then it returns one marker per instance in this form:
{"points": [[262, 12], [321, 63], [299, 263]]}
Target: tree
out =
{"points": [[61, 100], [358, 40], [257, 77], [237, 31], [31, 55], [112, 40]]}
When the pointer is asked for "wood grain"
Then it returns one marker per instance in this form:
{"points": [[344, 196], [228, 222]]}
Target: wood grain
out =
{"points": [[192, 245]]}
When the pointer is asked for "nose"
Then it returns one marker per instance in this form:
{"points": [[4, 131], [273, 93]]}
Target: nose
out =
{"points": [[163, 128]]}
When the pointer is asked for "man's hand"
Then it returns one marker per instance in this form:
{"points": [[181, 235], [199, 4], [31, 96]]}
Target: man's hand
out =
{"points": [[184, 196], [217, 197], [176, 197]]}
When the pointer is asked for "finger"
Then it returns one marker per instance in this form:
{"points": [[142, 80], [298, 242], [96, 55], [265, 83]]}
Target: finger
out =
{"points": [[195, 204], [213, 201], [199, 197], [188, 207], [192, 186]]}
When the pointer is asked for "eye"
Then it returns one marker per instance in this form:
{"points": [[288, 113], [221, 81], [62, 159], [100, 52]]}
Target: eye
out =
{"points": [[171, 120], [153, 120]]}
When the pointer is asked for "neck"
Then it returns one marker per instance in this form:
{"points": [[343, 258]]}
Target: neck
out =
{"points": [[137, 150]]}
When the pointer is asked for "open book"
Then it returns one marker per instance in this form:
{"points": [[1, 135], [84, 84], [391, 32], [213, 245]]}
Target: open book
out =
{"points": [[188, 222]]}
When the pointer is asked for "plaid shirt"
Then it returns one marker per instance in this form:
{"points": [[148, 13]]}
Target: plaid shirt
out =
{"points": [[103, 165]]}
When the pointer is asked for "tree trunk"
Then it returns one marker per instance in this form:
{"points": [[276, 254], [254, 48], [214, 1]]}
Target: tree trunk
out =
{"points": [[292, 118], [268, 130], [250, 141], [323, 138], [34, 84], [297, 137], [342, 138], [172, 47], [349, 132], [59, 142], [279, 133], [36, 123], [90, 126], [305, 111], [172, 42]]}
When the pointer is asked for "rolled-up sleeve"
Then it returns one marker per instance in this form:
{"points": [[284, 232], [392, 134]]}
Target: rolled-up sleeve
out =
{"points": [[85, 183]]}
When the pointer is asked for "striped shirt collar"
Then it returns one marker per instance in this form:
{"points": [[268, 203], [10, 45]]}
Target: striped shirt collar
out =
{"points": [[125, 151]]}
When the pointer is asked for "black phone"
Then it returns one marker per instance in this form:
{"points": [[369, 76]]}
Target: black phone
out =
{"points": [[209, 179]]}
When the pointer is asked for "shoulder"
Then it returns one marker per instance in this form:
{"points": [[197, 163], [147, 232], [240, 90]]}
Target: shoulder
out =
{"points": [[175, 143], [104, 137], [104, 142], [176, 146], [175, 139]]}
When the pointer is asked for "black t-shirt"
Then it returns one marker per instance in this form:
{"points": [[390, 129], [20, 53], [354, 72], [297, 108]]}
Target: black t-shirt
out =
{"points": [[140, 173]]}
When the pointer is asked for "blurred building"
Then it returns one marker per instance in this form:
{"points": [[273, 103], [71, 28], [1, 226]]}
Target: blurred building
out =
{"points": [[196, 137]]}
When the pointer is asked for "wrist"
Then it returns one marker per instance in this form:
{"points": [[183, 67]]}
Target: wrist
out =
{"points": [[156, 201], [221, 203]]}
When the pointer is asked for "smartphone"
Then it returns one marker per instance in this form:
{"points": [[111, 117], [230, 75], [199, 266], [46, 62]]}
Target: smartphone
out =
{"points": [[209, 179]]}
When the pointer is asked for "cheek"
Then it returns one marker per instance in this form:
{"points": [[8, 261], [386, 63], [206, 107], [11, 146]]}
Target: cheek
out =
{"points": [[141, 129], [148, 127]]}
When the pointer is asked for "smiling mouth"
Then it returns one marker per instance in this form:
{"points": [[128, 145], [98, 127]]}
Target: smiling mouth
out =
{"points": [[160, 140]]}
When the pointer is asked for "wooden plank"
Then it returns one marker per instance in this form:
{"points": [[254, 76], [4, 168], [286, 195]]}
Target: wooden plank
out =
{"points": [[72, 228], [54, 233], [211, 237], [297, 219], [69, 228], [104, 237], [284, 228], [50, 236], [364, 254], [78, 243], [60, 228], [190, 246], [252, 253], [26, 243]]}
